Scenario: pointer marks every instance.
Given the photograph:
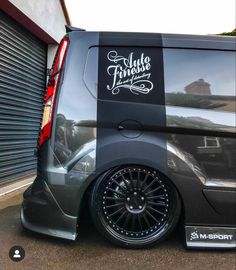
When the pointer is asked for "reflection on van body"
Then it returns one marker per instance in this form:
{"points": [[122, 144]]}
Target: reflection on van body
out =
{"points": [[216, 156], [70, 137]]}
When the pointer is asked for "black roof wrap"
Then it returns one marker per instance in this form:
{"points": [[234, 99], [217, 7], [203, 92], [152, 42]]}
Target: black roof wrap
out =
{"points": [[199, 42], [130, 39], [210, 42], [215, 42]]}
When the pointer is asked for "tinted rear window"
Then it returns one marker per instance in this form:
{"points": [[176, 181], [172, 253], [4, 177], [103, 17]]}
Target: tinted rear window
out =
{"points": [[200, 78]]}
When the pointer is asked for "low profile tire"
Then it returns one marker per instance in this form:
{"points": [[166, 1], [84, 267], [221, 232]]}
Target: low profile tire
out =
{"points": [[134, 206]]}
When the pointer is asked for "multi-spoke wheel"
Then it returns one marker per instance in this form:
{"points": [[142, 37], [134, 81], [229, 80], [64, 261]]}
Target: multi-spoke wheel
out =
{"points": [[134, 206]]}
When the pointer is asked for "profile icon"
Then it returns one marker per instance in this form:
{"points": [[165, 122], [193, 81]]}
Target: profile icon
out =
{"points": [[16, 253]]}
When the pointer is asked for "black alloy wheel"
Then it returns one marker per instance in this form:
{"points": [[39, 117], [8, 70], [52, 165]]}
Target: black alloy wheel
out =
{"points": [[134, 206]]}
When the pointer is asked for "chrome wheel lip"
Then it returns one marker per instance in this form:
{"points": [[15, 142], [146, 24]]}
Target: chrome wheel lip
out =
{"points": [[120, 232]]}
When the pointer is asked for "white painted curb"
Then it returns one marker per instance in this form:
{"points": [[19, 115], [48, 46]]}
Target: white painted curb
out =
{"points": [[16, 185]]}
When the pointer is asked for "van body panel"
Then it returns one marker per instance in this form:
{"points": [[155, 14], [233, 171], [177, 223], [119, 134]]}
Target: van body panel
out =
{"points": [[117, 105]]}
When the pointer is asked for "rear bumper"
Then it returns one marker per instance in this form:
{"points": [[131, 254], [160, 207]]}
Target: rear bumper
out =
{"points": [[41, 213]]}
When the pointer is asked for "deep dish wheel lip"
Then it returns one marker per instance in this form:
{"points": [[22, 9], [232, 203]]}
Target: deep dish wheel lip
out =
{"points": [[155, 235]]}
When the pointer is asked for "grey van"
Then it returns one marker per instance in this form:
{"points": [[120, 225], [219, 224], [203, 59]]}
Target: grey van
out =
{"points": [[143, 125]]}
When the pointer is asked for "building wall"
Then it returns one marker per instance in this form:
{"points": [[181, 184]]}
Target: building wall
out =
{"points": [[51, 53], [47, 14]]}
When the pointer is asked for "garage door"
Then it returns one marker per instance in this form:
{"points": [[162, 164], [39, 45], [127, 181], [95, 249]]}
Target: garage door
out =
{"points": [[22, 86]]}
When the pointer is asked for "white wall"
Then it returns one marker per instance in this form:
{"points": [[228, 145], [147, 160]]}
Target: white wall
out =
{"points": [[51, 54], [47, 14]]}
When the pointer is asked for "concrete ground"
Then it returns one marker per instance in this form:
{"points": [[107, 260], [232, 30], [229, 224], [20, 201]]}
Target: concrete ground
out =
{"points": [[91, 251]]}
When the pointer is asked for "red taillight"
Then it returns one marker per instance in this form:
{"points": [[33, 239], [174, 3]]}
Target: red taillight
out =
{"points": [[51, 92]]}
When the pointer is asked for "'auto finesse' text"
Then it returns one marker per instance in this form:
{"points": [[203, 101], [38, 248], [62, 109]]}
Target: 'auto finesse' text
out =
{"points": [[130, 73]]}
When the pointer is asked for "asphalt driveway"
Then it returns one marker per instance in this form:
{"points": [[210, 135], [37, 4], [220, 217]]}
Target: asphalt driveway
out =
{"points": [[91, 251]]}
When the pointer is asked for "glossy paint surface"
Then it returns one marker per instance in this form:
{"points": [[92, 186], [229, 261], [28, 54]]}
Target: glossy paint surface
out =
{"points": [[200, 97], [188, 135]]}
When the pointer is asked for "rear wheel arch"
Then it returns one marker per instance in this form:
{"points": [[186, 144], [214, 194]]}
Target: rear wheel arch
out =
{"points": [[119, 167], [106, 169]]}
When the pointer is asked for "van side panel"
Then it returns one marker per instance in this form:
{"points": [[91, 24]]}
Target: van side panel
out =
{"points": [[200, 112], [200, 97], [133, 98]]}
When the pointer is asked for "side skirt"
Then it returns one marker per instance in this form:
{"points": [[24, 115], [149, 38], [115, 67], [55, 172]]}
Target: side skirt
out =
{"points": [[210, 237]]}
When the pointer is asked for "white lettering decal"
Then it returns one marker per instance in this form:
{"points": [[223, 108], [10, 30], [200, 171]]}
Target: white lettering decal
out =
{"points": [[129, 73], [211, 236], [203, 236]]}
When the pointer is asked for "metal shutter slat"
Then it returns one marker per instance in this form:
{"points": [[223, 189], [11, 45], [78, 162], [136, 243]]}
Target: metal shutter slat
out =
{"points": [[22, 88], [12, 110], [15, 101], [17, 66], [12, 85], [19, 118], [19, 44], [15, 157], [17, 146], [18, 56], [18, 94], [20, 75], [29, 39], [19, 51], [12, 153]]}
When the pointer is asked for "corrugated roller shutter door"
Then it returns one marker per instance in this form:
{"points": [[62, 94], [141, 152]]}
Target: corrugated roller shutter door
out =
{"points": [[22, 88]]}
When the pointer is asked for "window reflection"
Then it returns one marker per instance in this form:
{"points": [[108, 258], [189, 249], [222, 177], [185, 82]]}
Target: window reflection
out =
{"points": [[200, 79]]}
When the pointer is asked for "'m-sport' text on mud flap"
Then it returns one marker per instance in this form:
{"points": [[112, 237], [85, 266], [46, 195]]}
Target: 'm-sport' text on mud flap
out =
{"points": [[210, 237]]}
